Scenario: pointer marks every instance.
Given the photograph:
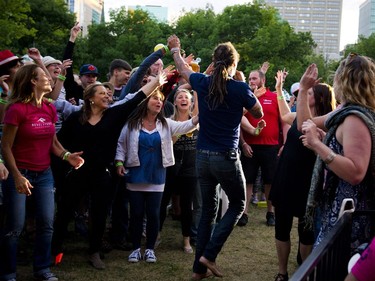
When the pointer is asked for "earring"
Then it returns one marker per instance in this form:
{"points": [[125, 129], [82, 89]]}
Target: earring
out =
{"points": [[91, 102]]}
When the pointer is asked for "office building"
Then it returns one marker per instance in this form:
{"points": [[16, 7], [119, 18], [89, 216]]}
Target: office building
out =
{"points": [[87, 12], [158, 12], [321, 17], [366, 18]]}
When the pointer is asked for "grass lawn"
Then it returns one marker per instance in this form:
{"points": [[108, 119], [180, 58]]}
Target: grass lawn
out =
{"points": [[249, 254]]}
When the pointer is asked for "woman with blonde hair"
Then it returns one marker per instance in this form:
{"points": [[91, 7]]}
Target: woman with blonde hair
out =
{"points": [[345, 163]]}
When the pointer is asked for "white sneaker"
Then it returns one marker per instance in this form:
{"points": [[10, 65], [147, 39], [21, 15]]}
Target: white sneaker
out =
{"points": [[150, 255], [135, 256]]}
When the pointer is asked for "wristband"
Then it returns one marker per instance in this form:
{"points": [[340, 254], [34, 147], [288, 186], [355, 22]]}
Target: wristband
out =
{"points": [[2, 101], [257, 131], [61, 77], [166, 49], [1, 161], [243, 144], [66, 155], [331, 156], [175, 50], [280, 97], [119, 163]]}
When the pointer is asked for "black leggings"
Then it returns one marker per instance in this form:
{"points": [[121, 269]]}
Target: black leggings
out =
{"points": [[283, 227]]}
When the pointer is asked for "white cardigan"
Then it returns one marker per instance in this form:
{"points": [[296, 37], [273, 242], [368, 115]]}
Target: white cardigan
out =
{"points": [[128, 142]]}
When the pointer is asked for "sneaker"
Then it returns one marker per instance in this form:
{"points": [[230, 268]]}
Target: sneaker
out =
{"points": [[254, 199], [46, 276], [135, 256], [150, 255], [270, 217], [281, 277], [96, 261], [244, 219]]}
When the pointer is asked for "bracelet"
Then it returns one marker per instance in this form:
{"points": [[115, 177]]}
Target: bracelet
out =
{"points": [[243, 143], [2, 101], [61, 77], [66, 155], [1, 161], [175, 50], [280, 97], [119, 163], [331, 156], [257, 131]]}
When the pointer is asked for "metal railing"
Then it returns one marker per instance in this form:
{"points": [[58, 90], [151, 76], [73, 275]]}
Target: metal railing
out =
{"points": [[329, 260]]}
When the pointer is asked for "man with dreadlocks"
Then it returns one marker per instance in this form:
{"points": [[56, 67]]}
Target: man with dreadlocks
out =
{"points": [[221, 101]]}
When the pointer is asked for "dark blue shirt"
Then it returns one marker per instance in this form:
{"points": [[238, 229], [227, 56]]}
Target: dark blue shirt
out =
{"points": [[220, 127]]}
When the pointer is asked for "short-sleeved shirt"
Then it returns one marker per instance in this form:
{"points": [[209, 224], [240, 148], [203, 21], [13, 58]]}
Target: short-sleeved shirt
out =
{"points": [[36, 128], [219, 127]]}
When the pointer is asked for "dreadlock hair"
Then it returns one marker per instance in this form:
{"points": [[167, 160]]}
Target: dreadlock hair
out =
{"points": [[225, 57]]}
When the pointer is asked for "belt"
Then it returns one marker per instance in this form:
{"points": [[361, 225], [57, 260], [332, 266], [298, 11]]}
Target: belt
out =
{"points": [[209, 152]]}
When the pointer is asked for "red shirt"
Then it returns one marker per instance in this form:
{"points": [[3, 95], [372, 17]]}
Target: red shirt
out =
{"points": [[270, 134], [33, 141]]}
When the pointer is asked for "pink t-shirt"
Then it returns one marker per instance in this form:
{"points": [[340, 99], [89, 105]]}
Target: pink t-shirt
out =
{"points": [[364, 269], [36, 128]]}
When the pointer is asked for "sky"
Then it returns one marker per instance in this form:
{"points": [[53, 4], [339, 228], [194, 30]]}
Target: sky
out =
{"points": [[349, 22]]}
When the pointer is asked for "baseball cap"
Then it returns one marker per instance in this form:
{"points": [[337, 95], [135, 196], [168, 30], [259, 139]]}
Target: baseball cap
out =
{"points": [[47, 60], [294, 88], [7, 56], [88, 69], [119, 63]]}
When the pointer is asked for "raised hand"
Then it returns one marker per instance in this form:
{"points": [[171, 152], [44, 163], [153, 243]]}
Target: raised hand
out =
{"points": [[173, 42], [65, 65], [34, 54], [74, 31], [279, 80], [309, 78]]}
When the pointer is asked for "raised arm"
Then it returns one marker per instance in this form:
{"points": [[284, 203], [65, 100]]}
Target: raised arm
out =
{"points": [[285, 114], [174, 46], [309, 79]]}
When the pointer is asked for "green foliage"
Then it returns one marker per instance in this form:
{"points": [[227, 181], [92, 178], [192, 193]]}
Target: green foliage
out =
{"points": [[256, 30], [15, 18]]}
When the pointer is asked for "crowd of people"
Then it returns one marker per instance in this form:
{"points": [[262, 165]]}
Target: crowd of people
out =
{"points": [[120, 150]]}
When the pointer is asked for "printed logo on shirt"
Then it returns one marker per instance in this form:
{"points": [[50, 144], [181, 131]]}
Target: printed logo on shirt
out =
{"points": [[41, 120], [266, 101]]}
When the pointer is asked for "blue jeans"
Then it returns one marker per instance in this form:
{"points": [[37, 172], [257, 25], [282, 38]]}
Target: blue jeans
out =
{"points": [[214, 168], [15, 207], [140, 202]]}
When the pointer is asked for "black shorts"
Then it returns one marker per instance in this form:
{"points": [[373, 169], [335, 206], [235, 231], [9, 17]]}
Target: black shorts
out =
{"points": [[265, 157]]}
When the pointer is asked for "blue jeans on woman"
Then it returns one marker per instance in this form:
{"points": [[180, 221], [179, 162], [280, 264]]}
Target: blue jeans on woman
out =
{"points": [[214, 168], [142, 203], [15, 204]]}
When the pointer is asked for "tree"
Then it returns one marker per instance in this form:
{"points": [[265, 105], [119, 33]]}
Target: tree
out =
{"points": [[52, 22], [16, 20]]}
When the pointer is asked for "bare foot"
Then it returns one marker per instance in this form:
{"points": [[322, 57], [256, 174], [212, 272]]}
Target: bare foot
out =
{"points": [[200, 276], [211, 265]]}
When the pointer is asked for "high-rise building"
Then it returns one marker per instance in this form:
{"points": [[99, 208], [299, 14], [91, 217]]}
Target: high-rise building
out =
{"points": [[321, 17], [87, 12], [158, 12], [366, 18]]}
